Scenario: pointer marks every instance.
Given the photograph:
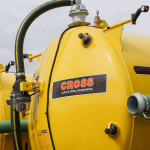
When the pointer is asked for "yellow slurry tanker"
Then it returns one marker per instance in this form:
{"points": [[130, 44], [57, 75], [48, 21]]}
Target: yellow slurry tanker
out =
{"points": [[89, 91]]}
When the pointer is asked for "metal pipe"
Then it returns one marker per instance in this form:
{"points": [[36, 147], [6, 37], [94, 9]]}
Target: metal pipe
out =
{"points": [[139, 104], [37, 55], [78, 12], [117, 25], [5, 126]]}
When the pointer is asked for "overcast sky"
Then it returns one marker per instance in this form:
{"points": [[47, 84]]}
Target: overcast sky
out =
{"points": [[52, 23]]}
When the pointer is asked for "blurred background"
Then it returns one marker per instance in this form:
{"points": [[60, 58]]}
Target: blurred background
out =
{"points": [[53, 23]]}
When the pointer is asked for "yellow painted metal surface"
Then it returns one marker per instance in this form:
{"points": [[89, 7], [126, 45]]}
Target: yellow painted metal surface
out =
{"points": [[78, 122], [6, 82], [117, 25], [136, 53], [29, 86]]}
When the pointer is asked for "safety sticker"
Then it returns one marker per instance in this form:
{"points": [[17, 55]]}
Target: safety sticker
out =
{"points": [[80, 86]]}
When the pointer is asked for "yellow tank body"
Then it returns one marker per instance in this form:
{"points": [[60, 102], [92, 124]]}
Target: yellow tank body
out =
{"points": [[78, 121], [6, 82]]}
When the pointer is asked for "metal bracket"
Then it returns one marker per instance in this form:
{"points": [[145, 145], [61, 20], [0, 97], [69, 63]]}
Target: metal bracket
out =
{"points": [[30, 57], [29, 86]]}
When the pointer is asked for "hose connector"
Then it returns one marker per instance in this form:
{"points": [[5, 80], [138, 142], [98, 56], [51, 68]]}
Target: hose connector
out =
{"points": [[21, 99], [139, 105]]}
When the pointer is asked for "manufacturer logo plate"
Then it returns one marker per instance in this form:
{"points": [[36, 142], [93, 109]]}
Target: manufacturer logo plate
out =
{"points": [[80, 86]]}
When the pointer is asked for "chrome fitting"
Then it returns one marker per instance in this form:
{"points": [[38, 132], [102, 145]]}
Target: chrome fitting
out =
{"points": [[72, 2], [78, 12], [20, 74]]}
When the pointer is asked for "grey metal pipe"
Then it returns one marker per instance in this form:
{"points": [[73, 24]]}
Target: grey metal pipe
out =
{"points": [[139, 104], [5, 126]]}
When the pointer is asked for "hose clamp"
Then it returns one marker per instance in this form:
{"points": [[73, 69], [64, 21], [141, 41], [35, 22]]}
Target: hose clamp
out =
{"points": [[12, 95], [20, 74], [146, 102]]}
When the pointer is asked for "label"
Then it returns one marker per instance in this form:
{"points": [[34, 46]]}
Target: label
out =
{"points": [[142, 70], [43, 139], [80, 86]]}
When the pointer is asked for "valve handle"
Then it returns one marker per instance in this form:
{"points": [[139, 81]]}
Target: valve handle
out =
{"points": [[138, 12]]}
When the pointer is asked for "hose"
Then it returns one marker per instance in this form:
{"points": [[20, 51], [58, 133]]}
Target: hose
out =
{"points": [[15, 127], [27, 22], [49, 82], [20, 71]]}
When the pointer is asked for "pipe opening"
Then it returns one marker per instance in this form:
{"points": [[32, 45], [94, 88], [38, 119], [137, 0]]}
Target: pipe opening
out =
{"points": [[132, 105]]}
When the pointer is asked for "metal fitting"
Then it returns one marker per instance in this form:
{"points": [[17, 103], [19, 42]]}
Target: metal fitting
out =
{"points": [[72, 2], [78, 12], [20, 74], [36, 76], [139, 105]]}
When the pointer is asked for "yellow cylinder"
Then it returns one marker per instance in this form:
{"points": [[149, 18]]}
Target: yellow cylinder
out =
{"points": [[79, 114]]}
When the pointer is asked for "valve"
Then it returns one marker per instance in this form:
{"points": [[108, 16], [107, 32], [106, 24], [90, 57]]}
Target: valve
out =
{"points": [[138, 12]]}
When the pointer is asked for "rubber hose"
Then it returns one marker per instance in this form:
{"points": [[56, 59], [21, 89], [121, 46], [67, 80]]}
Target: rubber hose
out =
{"points": [[15, 128], [49, 82], [20, 61], [25, 25]]}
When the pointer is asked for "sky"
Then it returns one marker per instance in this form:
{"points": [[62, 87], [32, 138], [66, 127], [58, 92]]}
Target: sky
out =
{"points": [[53, 23]]}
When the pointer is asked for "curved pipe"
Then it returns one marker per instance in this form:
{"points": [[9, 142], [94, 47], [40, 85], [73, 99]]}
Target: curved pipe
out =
{"points": [[20, 72], [27, 22]]}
